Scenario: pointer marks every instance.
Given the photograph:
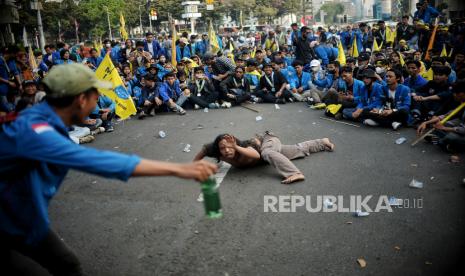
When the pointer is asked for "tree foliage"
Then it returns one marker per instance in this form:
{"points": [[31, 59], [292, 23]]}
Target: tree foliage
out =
{"points": [[91, 15], [331, 10]]}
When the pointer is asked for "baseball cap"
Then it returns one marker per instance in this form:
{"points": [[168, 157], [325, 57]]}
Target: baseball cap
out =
{"points": [[71, 80], [314, 63]]}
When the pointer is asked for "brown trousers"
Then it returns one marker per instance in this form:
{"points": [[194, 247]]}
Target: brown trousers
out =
{"points": [[280, 156]]}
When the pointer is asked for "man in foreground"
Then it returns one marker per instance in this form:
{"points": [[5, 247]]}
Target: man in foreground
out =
{"points": [[35, 157]]}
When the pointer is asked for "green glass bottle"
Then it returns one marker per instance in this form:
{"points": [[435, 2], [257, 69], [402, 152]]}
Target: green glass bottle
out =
{"points": [[211, 198]]}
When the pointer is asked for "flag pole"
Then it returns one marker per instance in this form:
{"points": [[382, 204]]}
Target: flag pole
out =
{"points": [[443, 121]]}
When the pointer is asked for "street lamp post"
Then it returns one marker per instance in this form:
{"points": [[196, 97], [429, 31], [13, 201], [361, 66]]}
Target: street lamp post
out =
{"points": [[109, 26], [140, 20], [35, 5], [150, 22]]}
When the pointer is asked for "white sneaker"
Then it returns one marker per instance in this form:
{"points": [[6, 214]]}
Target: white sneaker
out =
{"points": [[396, 125], [228, 104], [196, 106], [370, 122], [217, 105]]}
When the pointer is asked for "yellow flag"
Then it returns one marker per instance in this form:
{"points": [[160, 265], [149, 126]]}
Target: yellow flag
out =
{"points": [[213, 40], [390, 35], [32, 59], [98, 45], [173, 46], [431, 40], [444, 51], [375, 45], [124, 104], [231, 57], [428, 75], [252, 55], [190, 63], [341, 56], [354, 49], [122, 29], [401, 59]]}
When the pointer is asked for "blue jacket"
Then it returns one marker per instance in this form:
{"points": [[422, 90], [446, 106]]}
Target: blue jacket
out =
{"points": [[427, 15], [157, 50], [339, 84], [95, 61], [4, 74], [322, 81], [367, 101], [104, 102], [136, 92], [356, 88], [167, 92], [35, 156], [402, 98], [186, 53], [56, 55], [303, 82], [62, 61], [324, 53], [288, 73], [359, 39], [201, 47], [415, 84], [346, 39], [149, 93], [289, 60], [162, 72], [43, 66]]}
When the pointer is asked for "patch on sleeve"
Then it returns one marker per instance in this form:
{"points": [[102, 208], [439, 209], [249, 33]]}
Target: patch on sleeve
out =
{"points": [[42, 127]]}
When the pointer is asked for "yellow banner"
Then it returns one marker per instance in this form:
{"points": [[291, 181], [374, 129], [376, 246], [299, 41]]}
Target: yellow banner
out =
{"points": [[444, 51], [122, 30], [213, 40], [173, 46], [341, 56], [107, 72], [375, 45], [354, 48]]}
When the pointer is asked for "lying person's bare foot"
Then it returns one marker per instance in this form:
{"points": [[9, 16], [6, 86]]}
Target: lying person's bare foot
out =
{"points": [[293, 178], [329, 146]]}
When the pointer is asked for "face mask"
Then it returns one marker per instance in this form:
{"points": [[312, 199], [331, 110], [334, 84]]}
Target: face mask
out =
{"points": [[332, 71], [108, 45], [315, 69], [380, 71]]}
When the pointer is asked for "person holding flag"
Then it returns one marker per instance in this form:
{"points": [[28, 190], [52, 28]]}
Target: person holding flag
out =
{"points": [[124, 104], [380, 35], [122, 30], [214, 41]]}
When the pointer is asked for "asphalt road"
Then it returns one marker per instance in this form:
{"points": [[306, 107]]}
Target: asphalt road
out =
{"points": [[156, 226]]}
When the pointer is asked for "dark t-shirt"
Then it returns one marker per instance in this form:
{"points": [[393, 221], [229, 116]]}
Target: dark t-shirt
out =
{"points": [[433, 88], [278, 81], [350, 89]]}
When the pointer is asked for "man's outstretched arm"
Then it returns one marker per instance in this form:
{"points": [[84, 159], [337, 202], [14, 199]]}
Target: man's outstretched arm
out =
{"points": [[200, 155], [198, 170]]}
